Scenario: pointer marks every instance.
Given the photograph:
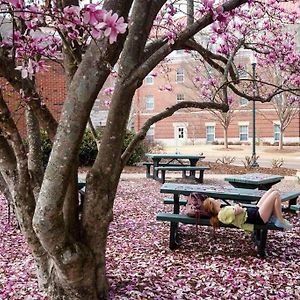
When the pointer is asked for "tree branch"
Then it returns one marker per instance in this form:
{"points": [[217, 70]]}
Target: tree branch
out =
{"points": [[169, 111]]}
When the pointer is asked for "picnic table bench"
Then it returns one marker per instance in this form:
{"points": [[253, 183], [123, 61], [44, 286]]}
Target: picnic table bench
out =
{"points": [[175, 159], [254, 180], [149, 165], [246, 196], [184, 169], [260, 232]]}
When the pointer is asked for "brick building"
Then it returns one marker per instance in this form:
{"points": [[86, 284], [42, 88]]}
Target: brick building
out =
{"points": [[191, 126]]}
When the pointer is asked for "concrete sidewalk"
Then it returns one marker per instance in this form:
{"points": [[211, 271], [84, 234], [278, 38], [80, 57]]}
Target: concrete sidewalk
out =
{"points": [[289, 154]]}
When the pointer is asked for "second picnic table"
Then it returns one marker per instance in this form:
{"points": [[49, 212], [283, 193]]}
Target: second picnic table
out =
{"points": [[172, 157], [254, 180]]}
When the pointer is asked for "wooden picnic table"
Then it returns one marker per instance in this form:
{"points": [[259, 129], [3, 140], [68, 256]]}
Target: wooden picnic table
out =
{"points": [[171, 158], [254, 180]]}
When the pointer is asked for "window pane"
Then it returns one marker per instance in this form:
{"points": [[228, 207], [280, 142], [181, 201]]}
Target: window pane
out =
{"points": [[276, 132], [180, 132], [149, 103], [243, 133], [149, 79], [243, 101], [179, 75], [242, 73], [179, 97], [210, 133], [150, 131]]}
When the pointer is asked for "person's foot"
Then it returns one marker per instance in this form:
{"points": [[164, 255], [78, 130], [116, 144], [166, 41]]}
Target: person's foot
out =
{"points": [[285, 224]]}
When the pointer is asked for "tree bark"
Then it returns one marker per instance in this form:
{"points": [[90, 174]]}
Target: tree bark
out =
{"points": [[226, 138], [35, 163]]}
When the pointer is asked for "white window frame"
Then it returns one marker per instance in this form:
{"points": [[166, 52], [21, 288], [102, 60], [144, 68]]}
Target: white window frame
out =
{"points": [[151, 131], [243, 101], [243, 73], [149, 102], [180, 75], [179, 98], [213, 133], [276, 125], [243, 133], [181, 133], [149, 80]]}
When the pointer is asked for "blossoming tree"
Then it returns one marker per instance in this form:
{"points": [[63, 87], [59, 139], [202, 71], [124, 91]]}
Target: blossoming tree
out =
{"points": [[68, 238]]}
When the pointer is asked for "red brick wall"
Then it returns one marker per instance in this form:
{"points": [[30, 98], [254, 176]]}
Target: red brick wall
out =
{"points": [[51, 85]]}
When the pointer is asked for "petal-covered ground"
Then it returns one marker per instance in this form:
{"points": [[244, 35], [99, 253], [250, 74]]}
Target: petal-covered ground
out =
{"points": [[141, 266]]}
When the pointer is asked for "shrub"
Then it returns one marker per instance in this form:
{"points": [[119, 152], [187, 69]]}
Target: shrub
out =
{"points": [[88, 149], [139, 151], [46, 146]]}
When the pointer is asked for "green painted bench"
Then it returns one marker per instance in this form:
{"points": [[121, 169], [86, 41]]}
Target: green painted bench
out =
{"points": [[295, 207], [184, 169], [259, 235], [149, 165]]}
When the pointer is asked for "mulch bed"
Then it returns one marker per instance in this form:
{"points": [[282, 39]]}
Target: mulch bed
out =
{"points": [[219, 168]]}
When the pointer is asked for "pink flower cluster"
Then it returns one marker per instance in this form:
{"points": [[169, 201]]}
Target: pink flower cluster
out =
{"points": [[40, 37]]}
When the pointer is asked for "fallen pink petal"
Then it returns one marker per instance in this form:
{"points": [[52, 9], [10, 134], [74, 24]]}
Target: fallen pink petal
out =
{"points": [[140, 264]]}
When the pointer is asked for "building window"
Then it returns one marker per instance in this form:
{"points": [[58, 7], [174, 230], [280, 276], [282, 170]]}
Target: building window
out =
{"points": [[210, 134], [150, 133], [179, 97], [179, 75], [243, 101], [180, 133], [149, 102], [276, 132], [242, 73], [149, 80], [243, 133]]}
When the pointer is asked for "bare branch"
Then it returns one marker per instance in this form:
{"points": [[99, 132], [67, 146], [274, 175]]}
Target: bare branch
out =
{"points": [[169, 111]]}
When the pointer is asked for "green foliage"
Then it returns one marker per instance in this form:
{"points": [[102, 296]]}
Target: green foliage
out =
{"points": [[139, 151], [88, 149], [46, 146]]}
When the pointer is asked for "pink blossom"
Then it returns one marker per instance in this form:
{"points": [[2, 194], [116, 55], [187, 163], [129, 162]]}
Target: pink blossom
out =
{"points": [[92, 15], [171, 37], [112, 26], [72, 13]]}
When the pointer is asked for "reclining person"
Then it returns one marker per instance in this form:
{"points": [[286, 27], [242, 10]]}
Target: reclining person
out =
{"points": [[268, 208]]}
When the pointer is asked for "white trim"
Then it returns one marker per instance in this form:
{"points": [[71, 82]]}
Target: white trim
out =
{"points": [[243, 123], [180, 124], [276, 122], [210, 124]]}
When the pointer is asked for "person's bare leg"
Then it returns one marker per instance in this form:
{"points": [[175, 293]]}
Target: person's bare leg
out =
{"points": [[265, 196], [270, 205]]}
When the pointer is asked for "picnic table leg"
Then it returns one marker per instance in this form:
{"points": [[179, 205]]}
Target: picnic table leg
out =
{"points": [[260, 238], [148, 171], [174, 238], [174, 243], [200, 179], [163, 176], [155, 164], [292, 202]]}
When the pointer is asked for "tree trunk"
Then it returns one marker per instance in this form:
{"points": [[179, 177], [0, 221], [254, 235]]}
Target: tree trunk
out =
{"points": [[281, 140], [226, 138]]}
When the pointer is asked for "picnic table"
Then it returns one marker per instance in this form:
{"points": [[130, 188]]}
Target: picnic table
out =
{"points": [[254, 180], [246, 196], [171, 159]]}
